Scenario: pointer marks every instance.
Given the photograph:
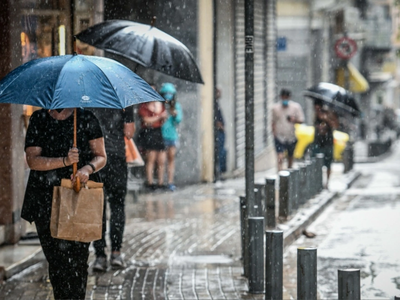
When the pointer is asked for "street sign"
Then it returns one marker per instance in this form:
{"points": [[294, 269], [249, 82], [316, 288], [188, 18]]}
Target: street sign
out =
{"points": [[345, 48]]}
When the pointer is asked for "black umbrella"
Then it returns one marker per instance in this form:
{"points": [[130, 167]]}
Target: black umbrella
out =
{"points": [[145, 45], [334, 96]]}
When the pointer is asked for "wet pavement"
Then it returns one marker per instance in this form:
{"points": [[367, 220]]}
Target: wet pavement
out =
{"points": [[180, 245], [359, 230]]}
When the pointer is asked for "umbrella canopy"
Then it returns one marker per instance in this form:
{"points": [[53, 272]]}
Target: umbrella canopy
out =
{"points": [[71, 81], [145, 45], [334, 96]]}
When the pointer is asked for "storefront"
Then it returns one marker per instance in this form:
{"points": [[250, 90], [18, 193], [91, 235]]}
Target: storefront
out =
{"points": [[31, 30]]}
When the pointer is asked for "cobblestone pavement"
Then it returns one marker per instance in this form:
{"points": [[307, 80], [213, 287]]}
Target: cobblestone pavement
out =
{"points": [[180, 245], [177, 246]]}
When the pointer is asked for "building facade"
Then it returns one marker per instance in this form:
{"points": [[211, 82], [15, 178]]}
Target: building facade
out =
{"points": [[214, 33]]}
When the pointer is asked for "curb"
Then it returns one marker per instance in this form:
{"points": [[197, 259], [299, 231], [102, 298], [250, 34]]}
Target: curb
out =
{"points": [[30, 260], [306, 217]]}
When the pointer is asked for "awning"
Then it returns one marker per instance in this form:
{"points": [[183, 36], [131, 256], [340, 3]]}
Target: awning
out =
{"points": [[357, 82]]}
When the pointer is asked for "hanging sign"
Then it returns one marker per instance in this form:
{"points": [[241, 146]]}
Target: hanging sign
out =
{"points": [[345, 48]]}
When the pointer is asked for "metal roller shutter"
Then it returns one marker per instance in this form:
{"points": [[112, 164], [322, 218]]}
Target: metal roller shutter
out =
{"points": [[239, 84], [260, 76], [271, 57]]}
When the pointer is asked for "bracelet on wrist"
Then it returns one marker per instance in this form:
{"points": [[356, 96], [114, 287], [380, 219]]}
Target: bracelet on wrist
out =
{"points": [[93, 167], [64, 161]]}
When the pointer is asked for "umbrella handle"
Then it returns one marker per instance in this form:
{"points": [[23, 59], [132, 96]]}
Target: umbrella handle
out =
{"points": [[77, 184]]}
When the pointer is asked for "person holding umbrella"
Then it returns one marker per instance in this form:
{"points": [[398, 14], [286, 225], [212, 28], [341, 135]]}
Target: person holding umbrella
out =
{"points": [[326, 121], [50, 157], [63, 141]]}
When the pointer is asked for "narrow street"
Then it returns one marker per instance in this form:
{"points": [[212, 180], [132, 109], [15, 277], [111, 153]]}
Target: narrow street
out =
{"points": [[359, 230], [186, 245]]}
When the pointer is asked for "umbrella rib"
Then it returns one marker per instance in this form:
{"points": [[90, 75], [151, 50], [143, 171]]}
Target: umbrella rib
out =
{"points": [[106, 78]]}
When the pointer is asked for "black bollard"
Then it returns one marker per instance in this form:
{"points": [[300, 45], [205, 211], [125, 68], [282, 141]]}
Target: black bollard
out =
{"points": [[284, 194], [274, 265], [307, 273], [303, 184], [260, 199], [295, 174], [308, 192], [270, 202], [256, 255], [313, 181], [349, 287], [244, 235], [320, 174]]}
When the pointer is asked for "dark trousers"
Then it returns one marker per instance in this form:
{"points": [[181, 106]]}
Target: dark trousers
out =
{"points": [[221, 151], [115, 177], [68, 267]]}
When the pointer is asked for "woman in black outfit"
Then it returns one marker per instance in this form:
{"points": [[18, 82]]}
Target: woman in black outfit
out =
{"points": [[50, 156], [326, 121]]}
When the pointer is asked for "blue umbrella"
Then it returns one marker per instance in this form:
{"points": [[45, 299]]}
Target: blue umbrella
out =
{"points": [[71, 81]]}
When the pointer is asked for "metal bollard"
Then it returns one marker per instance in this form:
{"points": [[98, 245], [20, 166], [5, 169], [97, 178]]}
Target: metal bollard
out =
{"points": [[244, 234], [256, 255], [308, 194], [270, 202], [274, 265], [260, 199], [307, 273], [347, 157], [303, 184], [295, 174], [320, 174], [313, 181], [349, 287], [284, 194]]}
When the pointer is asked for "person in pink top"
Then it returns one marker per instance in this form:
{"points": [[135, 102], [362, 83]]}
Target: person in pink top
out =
{"points": [[152, 116], [285, 114]]}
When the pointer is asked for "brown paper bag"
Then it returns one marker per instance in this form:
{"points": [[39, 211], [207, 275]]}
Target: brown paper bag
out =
{"points": [[77, 216]]}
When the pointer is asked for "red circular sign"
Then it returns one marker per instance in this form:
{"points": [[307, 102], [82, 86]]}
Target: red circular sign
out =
{"points": [[345, 48]]}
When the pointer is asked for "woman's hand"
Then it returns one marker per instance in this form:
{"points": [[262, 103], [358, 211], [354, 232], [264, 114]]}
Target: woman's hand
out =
{"points": [[73, 156], [83, 175]]}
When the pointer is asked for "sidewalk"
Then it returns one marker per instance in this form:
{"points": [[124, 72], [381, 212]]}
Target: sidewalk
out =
{"points": [[166, 231]]}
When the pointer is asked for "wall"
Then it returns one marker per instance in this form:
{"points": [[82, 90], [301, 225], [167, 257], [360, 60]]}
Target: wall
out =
{"points": [[178, 18], [225, 71], [11, 131], [293, 70]]}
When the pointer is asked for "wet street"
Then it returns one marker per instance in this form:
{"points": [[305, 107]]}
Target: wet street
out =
{"points": [[359, 230], [173, 250], [186, 245]]}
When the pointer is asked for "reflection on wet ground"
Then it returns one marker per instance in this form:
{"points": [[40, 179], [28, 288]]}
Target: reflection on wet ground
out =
{"points": [[182, 245], [360, 230]]}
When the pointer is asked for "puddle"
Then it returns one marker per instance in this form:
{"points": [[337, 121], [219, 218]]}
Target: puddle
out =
{"points": [[203, 259]]}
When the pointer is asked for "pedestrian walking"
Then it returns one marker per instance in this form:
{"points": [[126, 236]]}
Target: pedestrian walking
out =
{"points": [[170, 132], [116, 124], [220, 128], [326, 121], [285, 114], [150, 140], [49, 155]]}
